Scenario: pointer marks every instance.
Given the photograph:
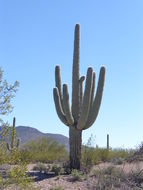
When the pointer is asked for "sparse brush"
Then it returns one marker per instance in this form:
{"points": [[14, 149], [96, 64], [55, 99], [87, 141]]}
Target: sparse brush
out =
{"points": [[45, 150], [93, 155], [107, 178], [112, 170], [136, 177], [76, 175], [57, 169], [118, 161], [139, 149], [17, 177], [137, 155], [4, 129], [42, 168], [114, 177], [57, 188], [66, 166]]}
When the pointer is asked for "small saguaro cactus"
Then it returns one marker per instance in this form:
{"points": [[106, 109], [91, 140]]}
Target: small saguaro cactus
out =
{"points": [[13, 145], [108, 142], [85, 106]]}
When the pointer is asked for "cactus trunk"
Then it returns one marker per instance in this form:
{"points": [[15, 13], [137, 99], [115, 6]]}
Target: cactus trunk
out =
{"points": [[75, 138]]}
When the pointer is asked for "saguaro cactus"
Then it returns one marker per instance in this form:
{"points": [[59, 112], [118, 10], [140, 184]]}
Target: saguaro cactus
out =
{"points": [[108, 142], [13, 145], [85, 106]]}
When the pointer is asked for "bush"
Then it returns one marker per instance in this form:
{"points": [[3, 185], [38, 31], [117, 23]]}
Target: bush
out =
{"points": [[92, 156], [136, 177], [57, 169], [41, 167], [14, 157], [25, 156], [108, 177], [66, 166], [3, 156], [120, 153], [17, 176], [76, 175], [45, 150], [117, 161]]}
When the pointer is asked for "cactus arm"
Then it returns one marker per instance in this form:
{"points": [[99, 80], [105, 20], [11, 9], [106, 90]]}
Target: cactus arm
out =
{"points": [[59, 106], [92, 98], [59, 83], [13, 133], [8, 148], [13, 148], [93, 89], [66, 105], [14, 121], [97, 100], [18, 142], [86, 99], [76, 75], [81, 88]]}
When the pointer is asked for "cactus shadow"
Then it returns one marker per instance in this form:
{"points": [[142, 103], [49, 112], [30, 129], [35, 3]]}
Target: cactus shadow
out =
{"points": [[39, 176]]}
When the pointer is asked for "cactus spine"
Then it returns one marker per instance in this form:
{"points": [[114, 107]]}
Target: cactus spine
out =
{"points": [[85, 106], [13, 145]]}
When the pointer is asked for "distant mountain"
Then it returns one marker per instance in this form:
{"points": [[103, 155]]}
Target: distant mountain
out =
{"points": [[26, 134]]}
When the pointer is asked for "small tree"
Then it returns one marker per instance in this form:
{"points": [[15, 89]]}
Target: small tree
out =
{"points": [[3, 137], [7, 92]]}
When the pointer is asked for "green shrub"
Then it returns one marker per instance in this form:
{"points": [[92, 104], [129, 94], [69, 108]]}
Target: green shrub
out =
{"points": [[45, 150], [3, 156], [41, 167], [18, 178], [14, 157], [76, 175], [117, 161], [112, 170], [2, 183], [25, 156], [108, 178], [120, 153], [66, 166], [57, 169], [92, 156]]}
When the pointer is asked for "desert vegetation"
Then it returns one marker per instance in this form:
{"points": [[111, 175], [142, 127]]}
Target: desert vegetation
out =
{"points": [[44, 164]]}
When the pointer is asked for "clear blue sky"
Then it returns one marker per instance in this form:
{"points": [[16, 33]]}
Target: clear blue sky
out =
{"points": [[36, 35]]}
